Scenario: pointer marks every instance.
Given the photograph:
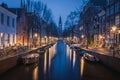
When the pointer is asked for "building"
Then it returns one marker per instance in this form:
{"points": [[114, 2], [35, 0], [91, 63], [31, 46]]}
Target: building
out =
{"points": [[7, 27], [21, 28], [90, 26], [113, 19], [99, 28]]}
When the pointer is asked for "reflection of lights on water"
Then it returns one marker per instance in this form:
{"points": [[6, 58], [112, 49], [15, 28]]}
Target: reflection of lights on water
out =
{"points": [[35, 74], [45, 62], [72, 55], [52, 52], [82, 66], [68, 51], [74, 58]]}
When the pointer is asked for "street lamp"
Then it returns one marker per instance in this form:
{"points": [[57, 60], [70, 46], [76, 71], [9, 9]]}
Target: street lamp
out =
{"points": [[35, 39], [118, 31], [1, 34], [35, 35], [113, 30], [82, 36]]}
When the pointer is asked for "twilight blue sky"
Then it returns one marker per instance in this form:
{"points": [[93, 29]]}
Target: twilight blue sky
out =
{"points": [[59, 7]]}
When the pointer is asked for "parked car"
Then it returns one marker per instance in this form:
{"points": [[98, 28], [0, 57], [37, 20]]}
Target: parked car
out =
{"points": [[90, 58]]}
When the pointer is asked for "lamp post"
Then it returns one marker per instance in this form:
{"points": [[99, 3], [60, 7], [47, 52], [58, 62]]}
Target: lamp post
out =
{"points": [[82, 36], [35, 39], [113, 30]]}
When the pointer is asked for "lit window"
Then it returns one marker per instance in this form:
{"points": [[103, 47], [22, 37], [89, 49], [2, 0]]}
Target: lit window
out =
{"points": [[117, 20], [13, 38]]}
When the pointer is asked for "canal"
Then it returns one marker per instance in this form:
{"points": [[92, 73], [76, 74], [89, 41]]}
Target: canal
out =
{"points": [[61, 63]]}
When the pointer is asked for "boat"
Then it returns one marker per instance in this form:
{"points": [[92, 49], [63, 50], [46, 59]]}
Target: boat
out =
{"points": [[30, 58], [41, 51], [82, 53], [90, 58]]}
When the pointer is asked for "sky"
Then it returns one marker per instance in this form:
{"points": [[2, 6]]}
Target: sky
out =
{"points": [[58, 7]]}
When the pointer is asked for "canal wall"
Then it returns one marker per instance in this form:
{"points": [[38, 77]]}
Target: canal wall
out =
{"points": [[7, 64], [11, 61], [109, 61]]}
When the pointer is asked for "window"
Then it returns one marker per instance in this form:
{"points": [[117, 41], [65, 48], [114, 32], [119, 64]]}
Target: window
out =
{"points": [[2, 18], [103, 19], [8, 21], [2, 38], [111, 1], [117, 20], [8, 38], [108, 13], [117, 7], [112, 19], [13, 38], [112, 10], [13, 22], [108, 2]]}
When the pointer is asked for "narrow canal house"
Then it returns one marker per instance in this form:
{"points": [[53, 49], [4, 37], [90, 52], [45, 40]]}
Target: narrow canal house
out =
{"points": [[113, 19], [7, 27]]}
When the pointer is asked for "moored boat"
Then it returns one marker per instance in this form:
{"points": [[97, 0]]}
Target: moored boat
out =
{"points": [[90, 58], [30, 59]]}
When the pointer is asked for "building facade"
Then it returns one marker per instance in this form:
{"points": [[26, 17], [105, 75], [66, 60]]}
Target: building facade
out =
{"points": [[21, 28], [113, 19], [90, 21], [7, 28]]}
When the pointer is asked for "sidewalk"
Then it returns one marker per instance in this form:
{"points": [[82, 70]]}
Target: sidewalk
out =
{"points": [[99, 50], [23, 52], [103, 51]]}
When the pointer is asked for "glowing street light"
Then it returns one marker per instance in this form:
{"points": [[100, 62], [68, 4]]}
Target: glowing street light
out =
{"points": [[82, 36], [1, 34], [35, 35], [119, 31], [100, 37], [114, 28]]}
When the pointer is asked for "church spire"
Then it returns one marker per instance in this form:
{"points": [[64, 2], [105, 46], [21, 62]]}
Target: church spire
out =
{"points": [[60, 26], [21, 4], [60, 21]]}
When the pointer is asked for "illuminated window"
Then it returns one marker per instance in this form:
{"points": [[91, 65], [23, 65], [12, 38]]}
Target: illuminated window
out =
{"points": [[117, 20]]}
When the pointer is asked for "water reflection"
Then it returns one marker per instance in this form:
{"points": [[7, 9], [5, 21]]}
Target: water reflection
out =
{"points": [[35, 74], [45, 62], [60, 63], [82, 66]]}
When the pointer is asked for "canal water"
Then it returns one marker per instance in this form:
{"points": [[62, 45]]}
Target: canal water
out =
{"points": [[61, 63]]}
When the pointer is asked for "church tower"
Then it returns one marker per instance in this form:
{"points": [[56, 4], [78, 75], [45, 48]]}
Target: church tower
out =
{"points": [[60, 27]]}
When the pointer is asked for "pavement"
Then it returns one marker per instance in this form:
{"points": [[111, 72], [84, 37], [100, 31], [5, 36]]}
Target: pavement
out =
{"points": [[99, 50], [103, 51], [12, 55]]}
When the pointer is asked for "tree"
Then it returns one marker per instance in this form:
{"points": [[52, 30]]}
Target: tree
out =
{"points": [[71, 22]]}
